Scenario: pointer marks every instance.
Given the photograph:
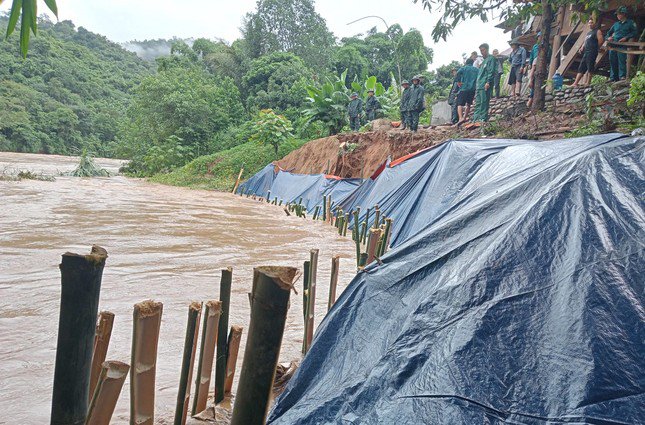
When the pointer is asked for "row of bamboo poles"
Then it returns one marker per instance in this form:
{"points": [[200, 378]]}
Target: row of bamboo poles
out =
{"points": [[86, 386], [372, 241]]}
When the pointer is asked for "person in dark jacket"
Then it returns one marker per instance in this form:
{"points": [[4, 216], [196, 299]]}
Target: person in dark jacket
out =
{"points": [[404, 106], [589, 50], [621, 31], [372, 105], [452, 97], [417, 102], [355, 110]]}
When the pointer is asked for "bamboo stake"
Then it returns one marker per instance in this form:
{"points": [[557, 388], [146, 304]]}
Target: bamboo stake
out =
{"points": [[313, 280], [386, 236], [305, 302], [187, 363], [374, 237], [271, 290], [233, 348], [239, 177], [335, 264], [212, 311], [377, 217], [80, 290], [345, 224], [268, 196], [324, 212], [328, 210], [108, 389], [145, 339], [363, 260], [363, 232], [222, 329], [101, 344]]}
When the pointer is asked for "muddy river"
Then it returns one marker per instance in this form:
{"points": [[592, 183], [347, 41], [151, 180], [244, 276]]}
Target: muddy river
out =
{"points": [[164, 243]]}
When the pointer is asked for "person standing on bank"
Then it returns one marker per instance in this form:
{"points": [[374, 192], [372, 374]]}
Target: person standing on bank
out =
{"points": [[500, 71], [355, 110], [484, 84], [452, 97], [417, 102], [404, 106], [621, 31], [518, 66], [372, 105], [466, 79], [593, 41]]}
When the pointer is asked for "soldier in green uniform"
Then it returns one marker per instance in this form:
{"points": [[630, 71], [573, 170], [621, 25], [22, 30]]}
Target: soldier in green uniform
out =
{"points": [[355, 110], [403, 107], [622, 30], [485, 80], [417, 102], [371, 105]]}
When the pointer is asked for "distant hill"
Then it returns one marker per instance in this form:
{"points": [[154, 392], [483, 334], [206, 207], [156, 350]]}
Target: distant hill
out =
{"points": [[150, 50], [70, 94]]}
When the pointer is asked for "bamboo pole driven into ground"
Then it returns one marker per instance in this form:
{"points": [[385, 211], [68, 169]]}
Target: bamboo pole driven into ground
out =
{"points": [[239, 177], [187, 363], [212, 311], [305, 302], [311, 302], [81, 277], [109, 385], [233, 349], [101, 343], [145, 340], [222, 329], [271, 289], [372, 243], [333, 282]]}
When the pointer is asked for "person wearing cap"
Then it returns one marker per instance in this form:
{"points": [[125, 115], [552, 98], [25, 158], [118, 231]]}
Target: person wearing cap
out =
{"points": [[589, 50], [621, 31], [417, 102], [404, 106], [484, 84], [517, 59], [466, 79], [355, 110], [371, 105]]}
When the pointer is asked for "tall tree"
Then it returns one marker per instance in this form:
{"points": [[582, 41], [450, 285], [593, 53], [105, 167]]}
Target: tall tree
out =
{"points": [[456, 11], [288, 26]]}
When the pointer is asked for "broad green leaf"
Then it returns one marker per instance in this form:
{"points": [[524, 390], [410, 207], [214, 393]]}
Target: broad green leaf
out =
{"points": [[25, 27], [33, 21], [357, 88], [370, 83], [51, 4], [16, 7]]}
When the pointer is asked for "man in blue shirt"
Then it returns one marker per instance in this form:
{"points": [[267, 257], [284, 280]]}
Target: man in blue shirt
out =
{"points": [[518, 67], [622, 30]]}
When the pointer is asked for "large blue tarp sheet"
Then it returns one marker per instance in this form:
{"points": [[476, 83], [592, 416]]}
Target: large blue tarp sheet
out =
{"points": [[517, 299], [260, 183]]}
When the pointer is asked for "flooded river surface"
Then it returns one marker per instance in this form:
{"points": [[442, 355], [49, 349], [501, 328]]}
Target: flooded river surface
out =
{"points": [[164, 243]]}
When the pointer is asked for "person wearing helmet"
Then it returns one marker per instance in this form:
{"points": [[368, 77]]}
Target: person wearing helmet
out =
{"points": [[355, 111], [417, 102], [371, 105], [621, 31], [404, 106]]}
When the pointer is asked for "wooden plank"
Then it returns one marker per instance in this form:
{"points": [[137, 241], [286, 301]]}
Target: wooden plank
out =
{"points": [[573, 52]]}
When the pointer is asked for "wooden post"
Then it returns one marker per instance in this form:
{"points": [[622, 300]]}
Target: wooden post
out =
{"points": [[271, 289], [212, 311], [233, 348], [335, 263], [328, 211], [375, 235], [557, 40], [101, 343], [345, 224], [222, 329], [311, 307], [363, 233], [145, 340], [108, 389], [324, 211], [239, 177], [80, 290], [377, 217], [305, 302], [187, 363]]}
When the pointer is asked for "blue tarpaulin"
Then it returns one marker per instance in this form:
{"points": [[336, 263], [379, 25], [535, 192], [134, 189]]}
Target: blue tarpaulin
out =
{"points": [[514, 295], [260, 183]]}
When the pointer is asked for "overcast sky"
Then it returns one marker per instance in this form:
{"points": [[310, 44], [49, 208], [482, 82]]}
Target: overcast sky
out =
{"points": [[125, 20]]}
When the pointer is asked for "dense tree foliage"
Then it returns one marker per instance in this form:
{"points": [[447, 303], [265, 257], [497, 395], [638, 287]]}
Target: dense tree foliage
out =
{"points": [[70, 93]]}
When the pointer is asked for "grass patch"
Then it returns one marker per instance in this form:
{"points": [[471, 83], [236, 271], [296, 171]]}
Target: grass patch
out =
{"points": [[218, 171]]}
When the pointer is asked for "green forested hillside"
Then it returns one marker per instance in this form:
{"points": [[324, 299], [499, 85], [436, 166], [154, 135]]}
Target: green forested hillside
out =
{"points": [[70, 93]]}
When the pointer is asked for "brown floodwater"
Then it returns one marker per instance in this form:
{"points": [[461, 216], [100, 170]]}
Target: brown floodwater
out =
{"points": [[164, 243]]}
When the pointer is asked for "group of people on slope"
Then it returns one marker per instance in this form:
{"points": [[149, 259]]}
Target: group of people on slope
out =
{"points": [[355, 109]]}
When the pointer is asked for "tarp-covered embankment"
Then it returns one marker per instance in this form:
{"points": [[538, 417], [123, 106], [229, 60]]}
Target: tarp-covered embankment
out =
{"points": [[519, 299]]}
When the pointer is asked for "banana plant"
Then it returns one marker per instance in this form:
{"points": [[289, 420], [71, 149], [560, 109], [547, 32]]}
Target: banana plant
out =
{"points": [[28, 9], [328, 103]]}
